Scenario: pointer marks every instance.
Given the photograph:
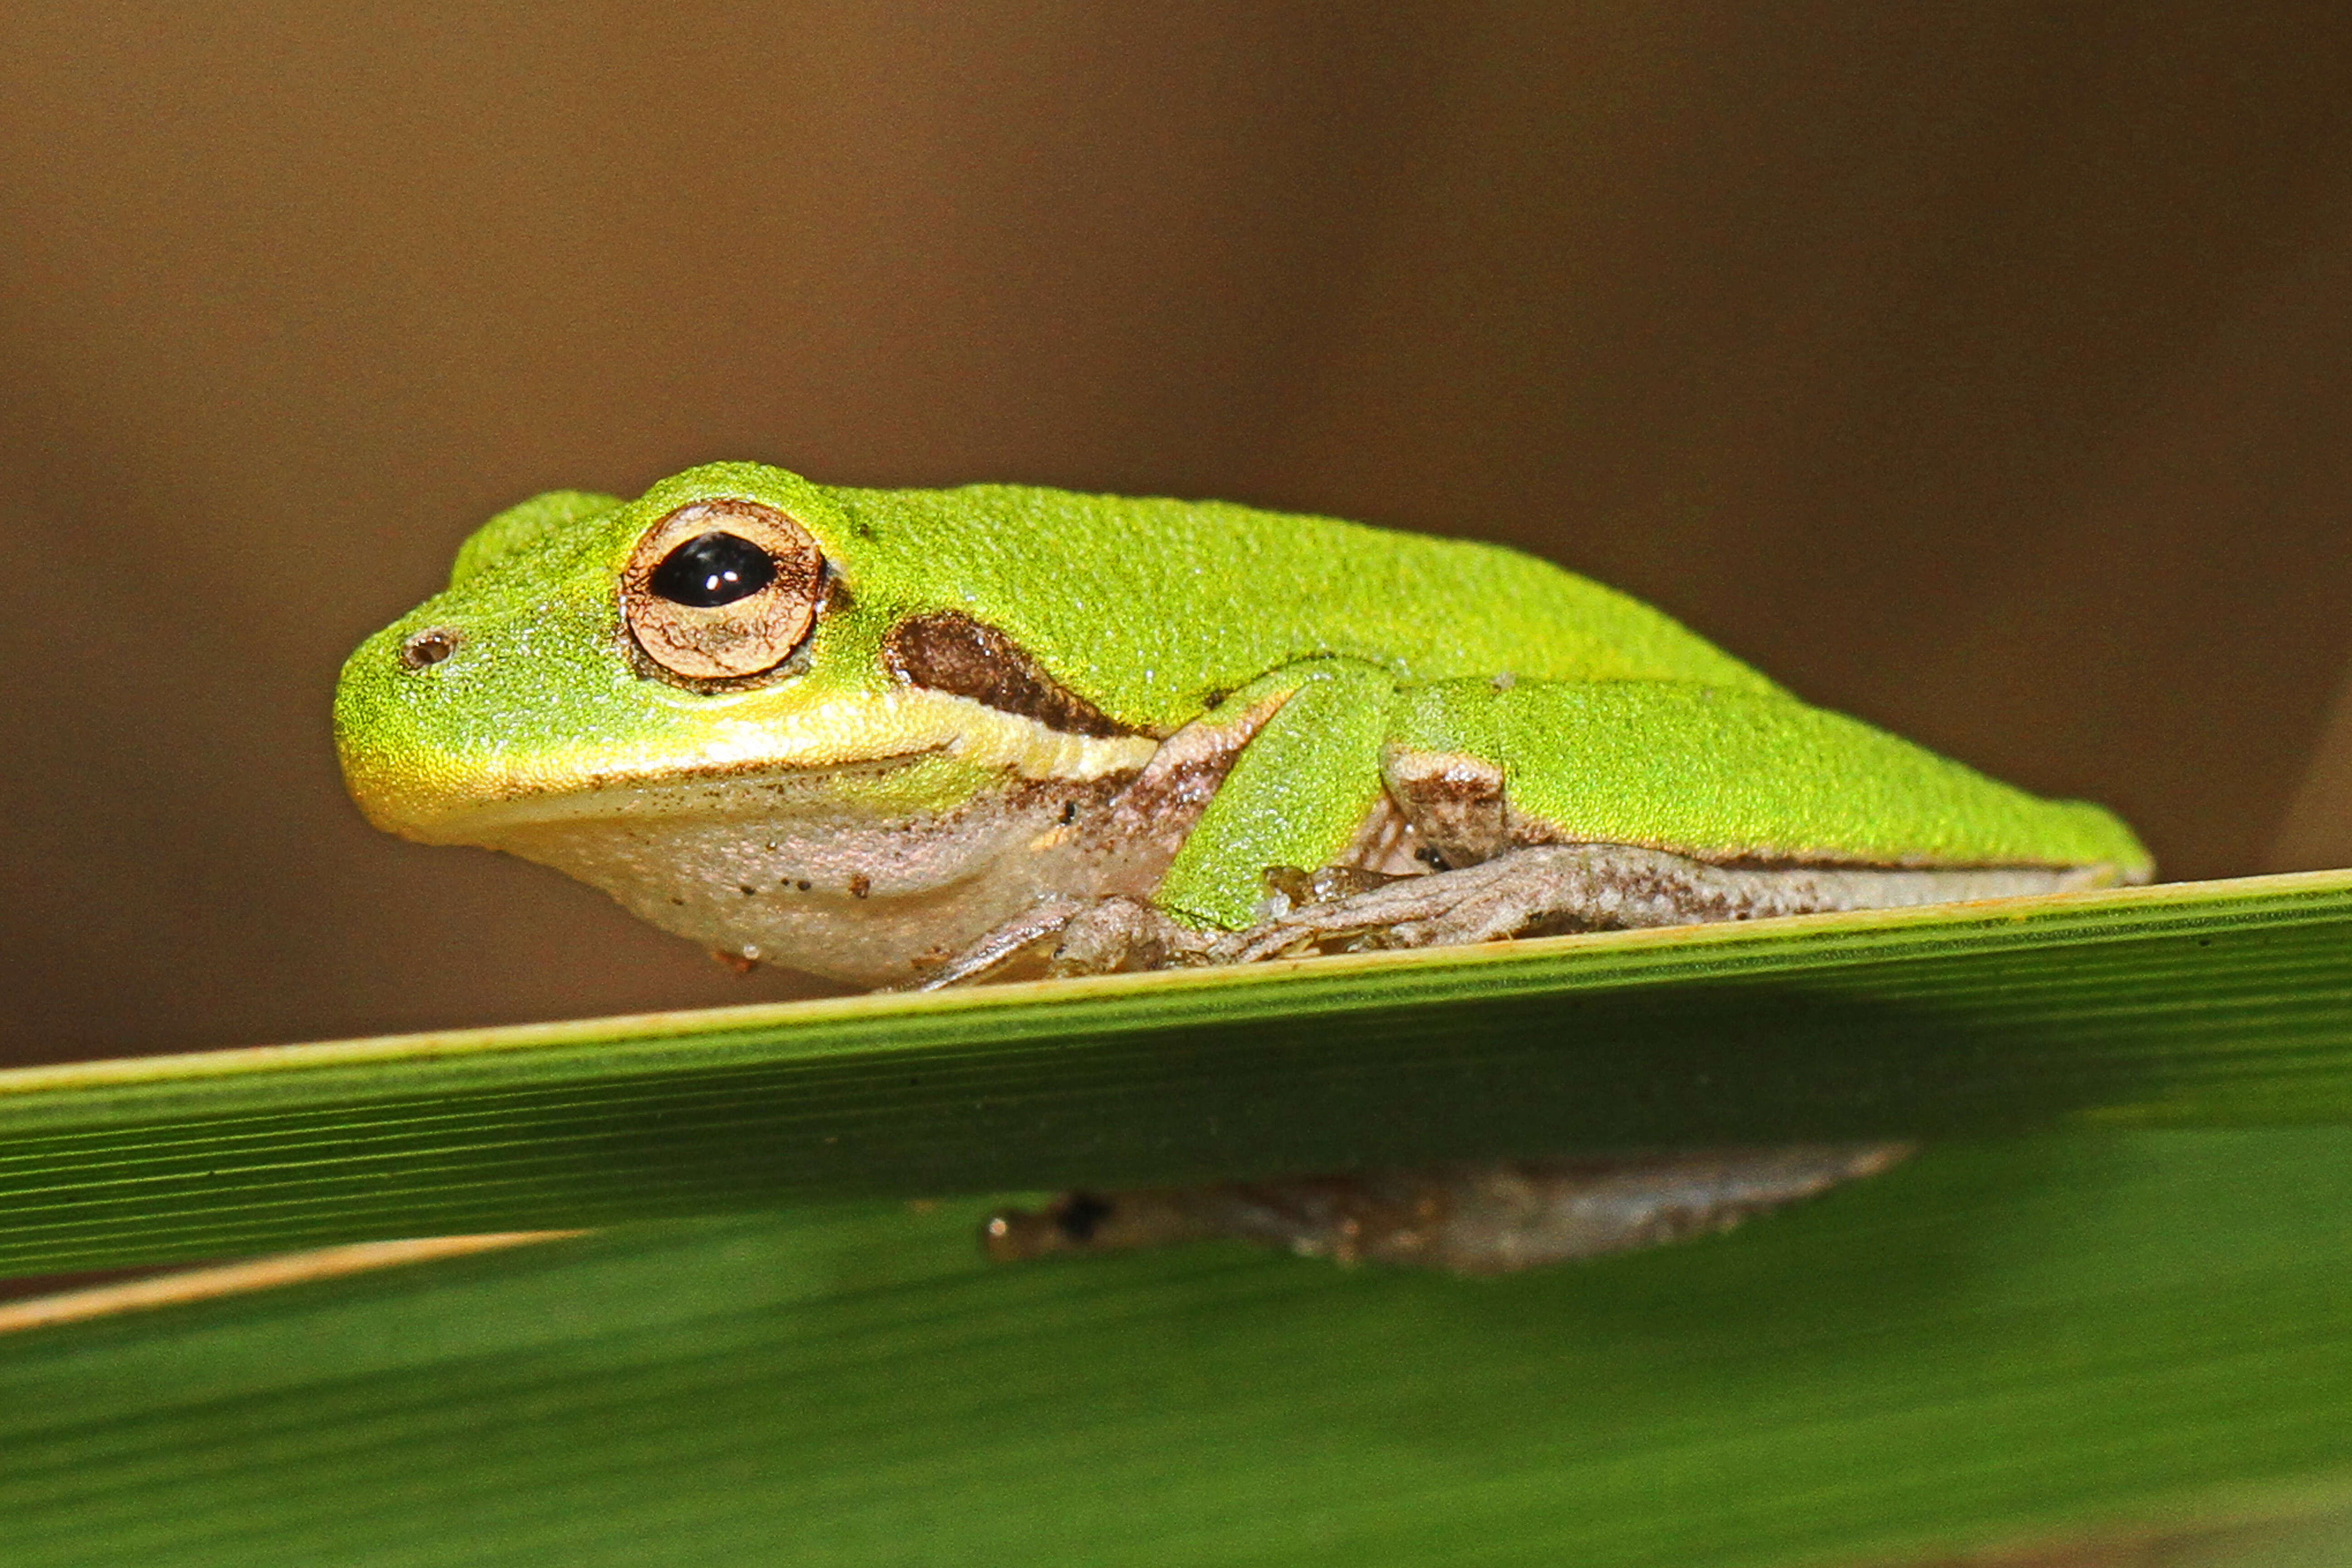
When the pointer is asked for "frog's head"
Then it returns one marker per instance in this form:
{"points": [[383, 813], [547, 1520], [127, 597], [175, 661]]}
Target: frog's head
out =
{"points": [[735, 628]]}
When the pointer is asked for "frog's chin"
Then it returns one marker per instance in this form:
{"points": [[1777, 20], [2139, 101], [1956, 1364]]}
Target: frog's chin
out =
{"points": [[791, 875]]}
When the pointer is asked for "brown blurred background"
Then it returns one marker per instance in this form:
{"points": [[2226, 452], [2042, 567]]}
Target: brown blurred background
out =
{"points": [[1982, 370]]}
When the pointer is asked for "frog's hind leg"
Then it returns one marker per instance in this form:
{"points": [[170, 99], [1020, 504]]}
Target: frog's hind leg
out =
{"points": [[1544, 889], [1537, 809], [1493, 1218]]}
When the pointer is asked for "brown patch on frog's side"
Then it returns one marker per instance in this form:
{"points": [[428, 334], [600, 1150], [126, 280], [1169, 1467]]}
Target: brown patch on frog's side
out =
{"points": [[953, 653]]}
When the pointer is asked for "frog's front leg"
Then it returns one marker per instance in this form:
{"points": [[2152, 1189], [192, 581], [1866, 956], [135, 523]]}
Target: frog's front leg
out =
{"points": [[1286, 772], [1304, 792]]}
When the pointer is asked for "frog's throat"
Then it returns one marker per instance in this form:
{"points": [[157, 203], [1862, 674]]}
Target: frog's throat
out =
{"points": [[450, 797]]}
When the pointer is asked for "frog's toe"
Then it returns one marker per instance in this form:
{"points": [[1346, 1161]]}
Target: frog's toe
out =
{"points": [[1119, 935], [1004, 951]]}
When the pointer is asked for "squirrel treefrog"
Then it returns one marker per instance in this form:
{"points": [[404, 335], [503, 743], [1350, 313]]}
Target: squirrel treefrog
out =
{"points": [[892, 735], [906, 736]]}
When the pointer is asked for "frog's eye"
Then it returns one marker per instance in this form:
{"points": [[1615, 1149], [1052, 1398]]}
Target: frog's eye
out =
{"points": [[722, 589], [712, 569]]}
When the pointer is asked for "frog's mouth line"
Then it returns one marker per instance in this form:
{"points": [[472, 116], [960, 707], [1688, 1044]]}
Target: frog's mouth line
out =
{"points": [[453, 797]]}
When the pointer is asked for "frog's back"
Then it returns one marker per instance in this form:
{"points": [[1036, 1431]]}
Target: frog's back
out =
{"points": [[1157, 604]]}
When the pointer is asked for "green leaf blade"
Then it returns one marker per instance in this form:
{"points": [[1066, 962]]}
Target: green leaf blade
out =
{"points": [[2224, 1004], [2068, 1332]]}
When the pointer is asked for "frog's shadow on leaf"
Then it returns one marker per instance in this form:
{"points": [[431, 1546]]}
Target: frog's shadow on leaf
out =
{"points": [[1784, 1289]]}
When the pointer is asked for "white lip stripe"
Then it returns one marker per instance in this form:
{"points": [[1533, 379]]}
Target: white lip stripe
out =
{"points": [[843, 731], [900, 724]]}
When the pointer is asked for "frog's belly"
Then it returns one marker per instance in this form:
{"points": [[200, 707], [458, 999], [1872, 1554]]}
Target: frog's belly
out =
{"points": [[791, 879]]}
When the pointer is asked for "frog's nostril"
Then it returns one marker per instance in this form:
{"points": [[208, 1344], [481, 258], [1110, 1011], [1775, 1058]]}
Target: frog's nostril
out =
{"points": [[430, 645]]}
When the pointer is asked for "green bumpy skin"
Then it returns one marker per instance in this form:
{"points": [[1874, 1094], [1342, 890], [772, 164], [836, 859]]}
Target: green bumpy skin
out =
{"points": [[1338, 645]]}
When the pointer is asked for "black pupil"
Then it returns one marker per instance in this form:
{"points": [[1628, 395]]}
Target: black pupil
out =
{"points": [[713, 569]]}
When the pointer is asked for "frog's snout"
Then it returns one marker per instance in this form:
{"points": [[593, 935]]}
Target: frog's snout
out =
{"points": [[392, 730], [430, 645]]}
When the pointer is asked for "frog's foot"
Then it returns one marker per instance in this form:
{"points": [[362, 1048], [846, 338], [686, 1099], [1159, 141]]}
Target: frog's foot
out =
{"points": [[1005, 953], [1102, 936], [1548, 889], [1114, 936], [1486, 1218]]}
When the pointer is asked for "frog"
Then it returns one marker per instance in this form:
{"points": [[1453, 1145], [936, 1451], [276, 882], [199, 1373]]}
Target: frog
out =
{"points": [[904, 736], [925, 737]]}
